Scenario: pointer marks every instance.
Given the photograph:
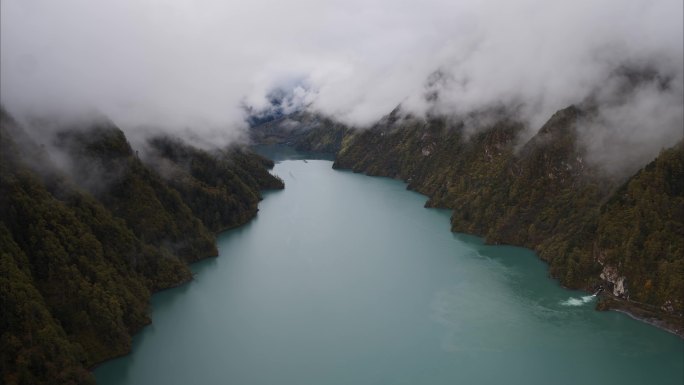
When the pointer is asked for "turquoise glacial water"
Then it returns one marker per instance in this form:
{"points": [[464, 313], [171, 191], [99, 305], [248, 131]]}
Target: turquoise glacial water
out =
{"points": [[347, 279]]}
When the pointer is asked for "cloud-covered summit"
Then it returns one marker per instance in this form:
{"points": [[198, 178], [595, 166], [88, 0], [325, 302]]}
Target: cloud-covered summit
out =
{"points": [[192, 66]]}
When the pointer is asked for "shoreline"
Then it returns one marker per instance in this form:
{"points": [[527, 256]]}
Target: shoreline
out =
{"points": [[670, 324], [652, 322], [133, 333]]}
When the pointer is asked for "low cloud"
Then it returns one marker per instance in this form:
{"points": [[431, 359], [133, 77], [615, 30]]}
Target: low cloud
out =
{"points": [[191, 66], [638, 114]]}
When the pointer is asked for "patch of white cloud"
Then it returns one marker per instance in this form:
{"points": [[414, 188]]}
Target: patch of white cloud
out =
{"points": [[191, 66]]}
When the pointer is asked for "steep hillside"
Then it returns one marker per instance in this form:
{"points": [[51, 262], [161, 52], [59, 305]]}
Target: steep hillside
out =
{"points": [[104, 164], [547, 197], [544, 195], [639, 239], [222, 189], [82, 251], [540, 196]]}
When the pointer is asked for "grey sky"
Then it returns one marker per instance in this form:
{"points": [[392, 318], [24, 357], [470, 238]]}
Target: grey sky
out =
{"points": [[190, 65]]}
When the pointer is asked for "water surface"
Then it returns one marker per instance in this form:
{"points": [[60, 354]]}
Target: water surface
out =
{"points": [[347, 279]]}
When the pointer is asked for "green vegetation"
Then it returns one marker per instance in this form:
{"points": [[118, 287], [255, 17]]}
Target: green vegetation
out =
{"points": [[641, 231], [107, 167], [35, 348], [81, 252], [222, 189]]}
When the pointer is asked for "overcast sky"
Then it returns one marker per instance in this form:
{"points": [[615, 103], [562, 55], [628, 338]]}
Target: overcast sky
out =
{"points": [[192, 64]]}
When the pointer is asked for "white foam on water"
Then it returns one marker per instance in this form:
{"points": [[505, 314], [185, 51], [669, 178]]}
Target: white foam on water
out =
{"points": [[578, 301]]}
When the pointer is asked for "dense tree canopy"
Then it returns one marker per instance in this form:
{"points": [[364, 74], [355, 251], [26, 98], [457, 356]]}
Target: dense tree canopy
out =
{"points": [[81, 251]]}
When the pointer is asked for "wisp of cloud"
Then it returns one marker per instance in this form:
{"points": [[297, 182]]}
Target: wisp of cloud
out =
{"points": [[191, 66]]}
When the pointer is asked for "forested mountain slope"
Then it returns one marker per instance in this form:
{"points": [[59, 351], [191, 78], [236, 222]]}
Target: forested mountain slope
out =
{"points": [[81, 251], [222, 189]]}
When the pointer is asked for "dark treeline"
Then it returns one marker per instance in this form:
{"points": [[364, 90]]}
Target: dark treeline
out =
{"points": [[81, 250]]}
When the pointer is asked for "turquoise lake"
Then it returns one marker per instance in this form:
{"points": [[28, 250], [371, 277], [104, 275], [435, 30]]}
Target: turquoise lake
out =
{"points": [[347, 279]]}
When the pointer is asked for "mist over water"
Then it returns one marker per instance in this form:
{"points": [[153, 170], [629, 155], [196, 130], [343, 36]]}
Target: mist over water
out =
{"points": [[347, 279]]}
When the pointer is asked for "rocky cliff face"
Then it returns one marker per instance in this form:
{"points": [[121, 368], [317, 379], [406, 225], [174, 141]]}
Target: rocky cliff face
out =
{"points": [[81, 251]]}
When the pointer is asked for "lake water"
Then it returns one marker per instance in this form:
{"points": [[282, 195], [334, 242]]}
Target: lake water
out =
{"points": [[347, 279]]}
